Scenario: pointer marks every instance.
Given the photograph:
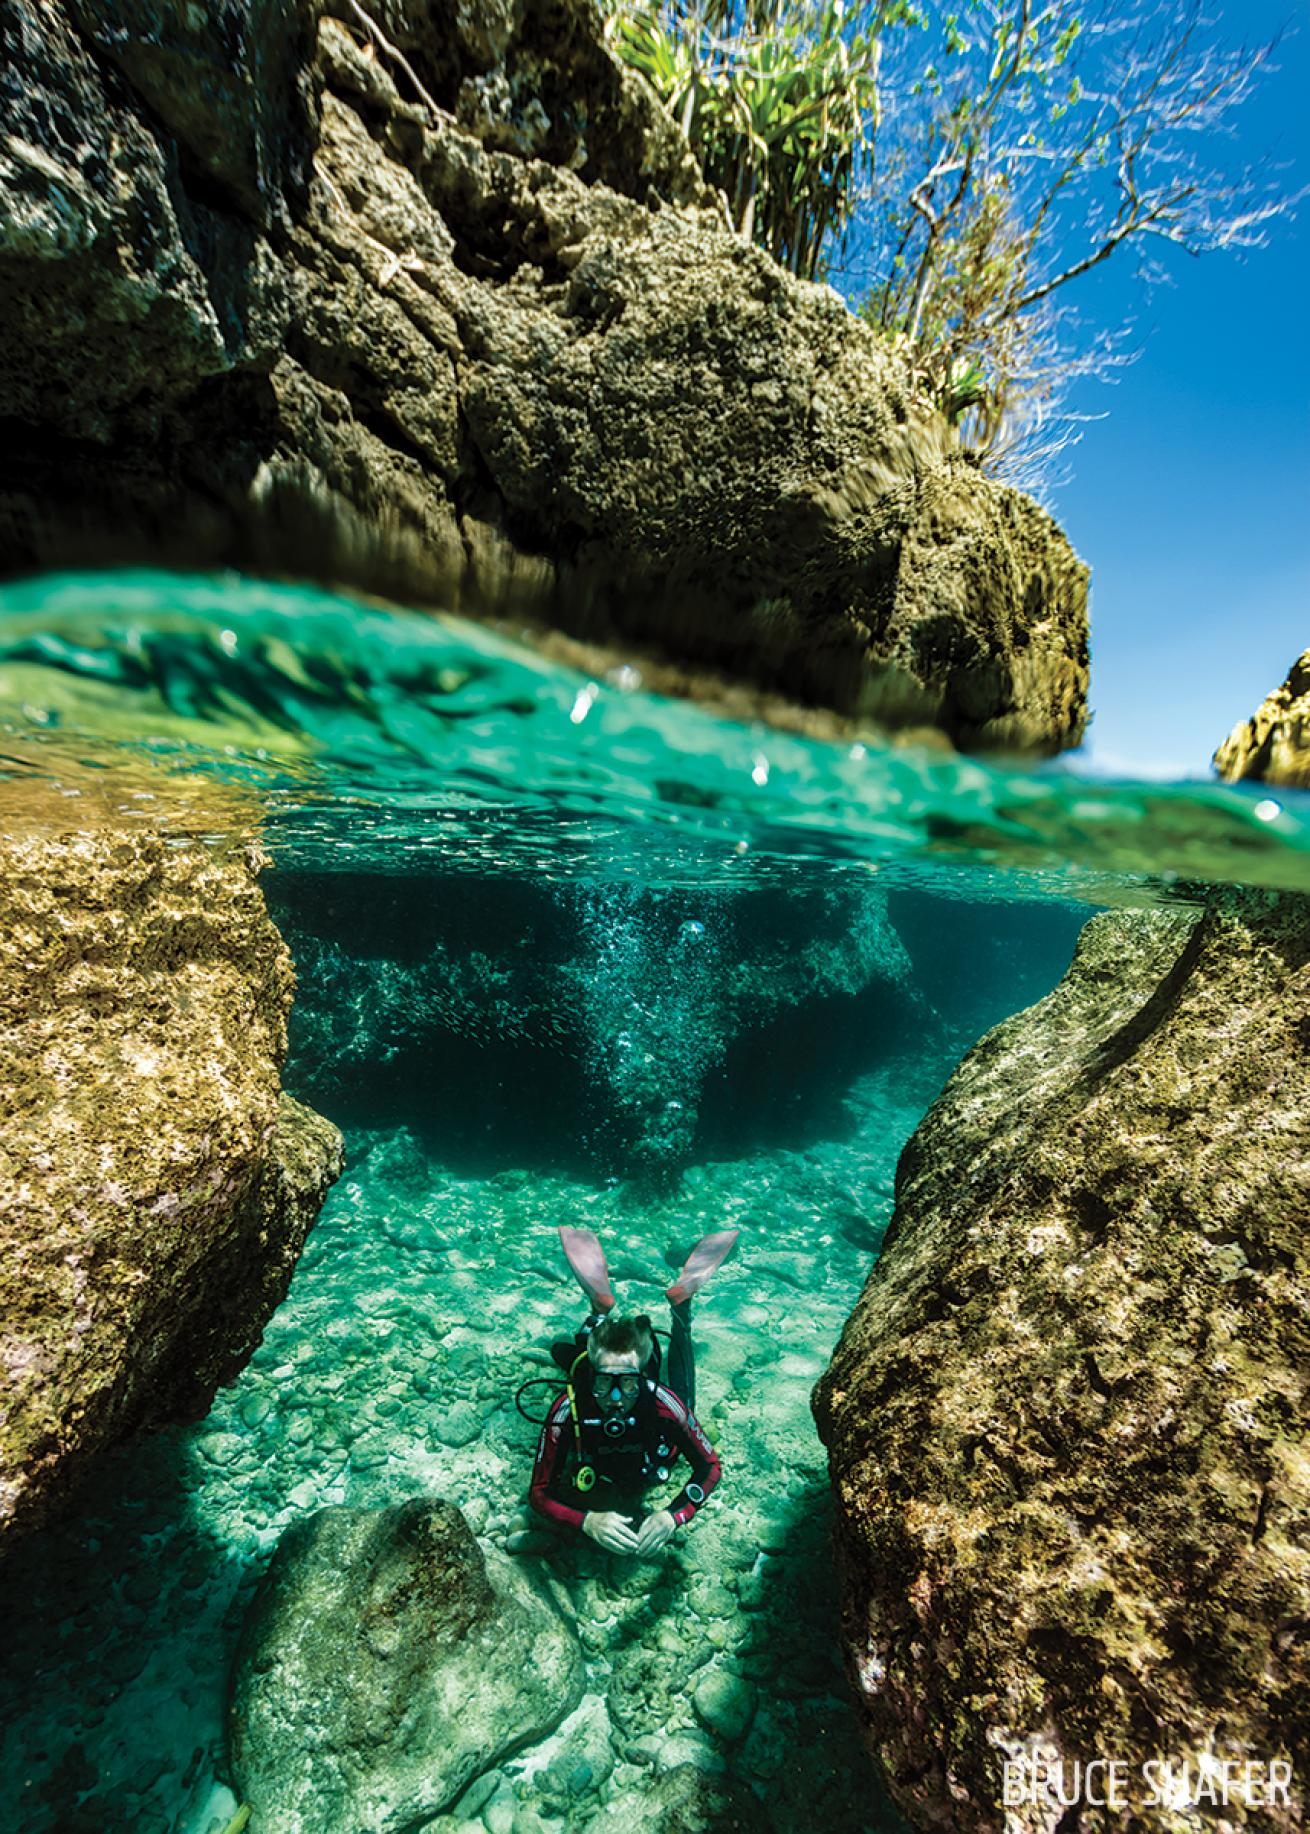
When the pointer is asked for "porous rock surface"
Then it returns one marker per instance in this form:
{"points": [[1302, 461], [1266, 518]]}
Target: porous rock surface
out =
{"points": [[1067, 1419], [471, 328], [1274, 744], [387, 1661], [156, 1185]]}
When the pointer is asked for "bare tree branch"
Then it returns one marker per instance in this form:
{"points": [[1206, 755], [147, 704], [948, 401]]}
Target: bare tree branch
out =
{"points": [[1046, 138]]}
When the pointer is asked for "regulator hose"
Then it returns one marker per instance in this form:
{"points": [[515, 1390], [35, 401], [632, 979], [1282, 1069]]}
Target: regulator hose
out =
{"points": [[536, 1382]]}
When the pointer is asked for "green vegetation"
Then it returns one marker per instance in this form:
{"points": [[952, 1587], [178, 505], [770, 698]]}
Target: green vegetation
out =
{"points": [[778, 100], [1021, 144]]}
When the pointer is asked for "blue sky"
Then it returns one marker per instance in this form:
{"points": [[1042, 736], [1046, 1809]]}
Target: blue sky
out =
{"points": [[1191, 500]]}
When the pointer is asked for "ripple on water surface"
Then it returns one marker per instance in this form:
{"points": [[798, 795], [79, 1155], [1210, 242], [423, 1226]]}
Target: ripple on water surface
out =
{"points": [[376, 737]]}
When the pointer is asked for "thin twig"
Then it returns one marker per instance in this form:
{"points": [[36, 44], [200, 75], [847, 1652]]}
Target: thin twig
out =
{"points": [[397, 56], [391, 261]]}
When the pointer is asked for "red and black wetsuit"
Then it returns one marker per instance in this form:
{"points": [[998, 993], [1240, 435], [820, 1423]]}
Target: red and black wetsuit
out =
{"points": [[659, 1430]]}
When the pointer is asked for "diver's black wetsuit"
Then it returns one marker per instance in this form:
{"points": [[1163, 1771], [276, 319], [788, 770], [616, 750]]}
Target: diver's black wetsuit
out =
{"points": [[660, 1429]]}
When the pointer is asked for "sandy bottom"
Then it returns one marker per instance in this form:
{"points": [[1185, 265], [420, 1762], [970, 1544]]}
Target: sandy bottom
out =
{"points": [[421, 1303]]}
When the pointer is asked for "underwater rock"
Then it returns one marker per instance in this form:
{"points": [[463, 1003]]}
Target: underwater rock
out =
{"points": [[1066, 1421], [725, 1703], [386, 1662], [646, 1686], [617, 1001], [1274, 744], [157, 1185], [684, 1800], [477, 333], [581, 1761]]}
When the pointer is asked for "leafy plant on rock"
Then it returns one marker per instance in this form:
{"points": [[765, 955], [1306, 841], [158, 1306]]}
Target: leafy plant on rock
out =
{"points": [[778, 99]]}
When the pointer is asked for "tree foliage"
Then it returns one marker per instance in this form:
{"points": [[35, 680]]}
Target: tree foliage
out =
{"points": [[1024, 145], [778, 99], [1020, 145]]}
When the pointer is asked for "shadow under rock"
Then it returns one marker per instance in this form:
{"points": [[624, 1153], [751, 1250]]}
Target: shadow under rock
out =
{"points": [[472, 1109], [118, 1621], [785, 1084], [979, 962], [801, 1754], [804, 1740]]}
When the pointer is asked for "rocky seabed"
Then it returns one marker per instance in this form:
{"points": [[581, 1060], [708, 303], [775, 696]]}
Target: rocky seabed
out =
{"points": [[712, 1679]]}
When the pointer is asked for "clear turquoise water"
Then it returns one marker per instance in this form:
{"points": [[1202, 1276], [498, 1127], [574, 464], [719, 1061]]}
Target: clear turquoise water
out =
{"points": [[386, 738], [454, 793]]}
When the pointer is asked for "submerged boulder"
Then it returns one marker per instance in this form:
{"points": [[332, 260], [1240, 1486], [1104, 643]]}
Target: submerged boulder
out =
{"points": [[684, 1800], [156, 1186], [386, 1661], [1274, 744], [1067, 1419], [443, 306]]}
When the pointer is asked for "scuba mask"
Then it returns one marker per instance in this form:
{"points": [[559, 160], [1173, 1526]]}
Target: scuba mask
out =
{"points": [[616, 1396]]}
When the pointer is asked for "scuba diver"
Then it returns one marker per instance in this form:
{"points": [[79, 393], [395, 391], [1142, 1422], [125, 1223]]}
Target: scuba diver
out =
{"points": [[617, 1429]]}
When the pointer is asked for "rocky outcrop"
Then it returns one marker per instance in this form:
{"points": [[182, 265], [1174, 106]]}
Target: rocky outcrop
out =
{"points": [[156, 1186], [385, 1663], [1274, 744], [440, 304], [629, 997], [1066, 1422]]}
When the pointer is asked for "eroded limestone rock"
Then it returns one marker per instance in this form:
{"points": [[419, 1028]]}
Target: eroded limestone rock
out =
{"points": [[385, 1663], [156, 1186], [1274, 744], [1067, 1419], [476, 332]]}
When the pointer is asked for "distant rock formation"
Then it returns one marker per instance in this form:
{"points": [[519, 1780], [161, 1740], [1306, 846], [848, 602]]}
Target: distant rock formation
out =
{"points": [[1067, 1419], [633, 995], [156, 1186], [1274, 744], [440, 304], [385, 1663]]}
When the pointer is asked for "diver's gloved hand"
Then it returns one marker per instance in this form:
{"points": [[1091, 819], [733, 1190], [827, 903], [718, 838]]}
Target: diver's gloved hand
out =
{"points": [[655, 1531], [610, 1530]]}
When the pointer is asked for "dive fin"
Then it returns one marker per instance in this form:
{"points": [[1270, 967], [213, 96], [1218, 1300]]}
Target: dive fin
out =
{"points": [[586, 1257], [710, 1252]]}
